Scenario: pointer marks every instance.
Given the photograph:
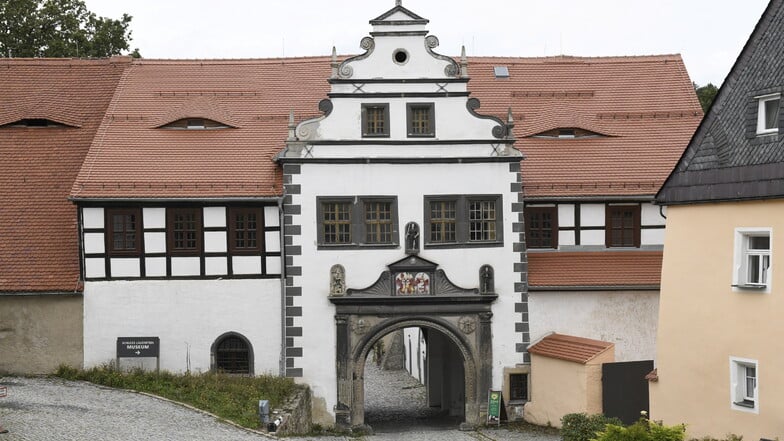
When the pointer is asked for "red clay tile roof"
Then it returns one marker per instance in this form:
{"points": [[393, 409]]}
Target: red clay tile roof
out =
{"points": [[594, 269], [646, 104], [570, 348], [132, 158], [39, 248]]}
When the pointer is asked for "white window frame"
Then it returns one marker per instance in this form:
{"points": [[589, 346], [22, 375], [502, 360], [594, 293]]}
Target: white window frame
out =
{"points": [[742, 256], [761, 113], [740, 398]]}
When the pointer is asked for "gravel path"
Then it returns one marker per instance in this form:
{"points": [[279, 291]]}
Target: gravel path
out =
{"points": [[43, 409]]}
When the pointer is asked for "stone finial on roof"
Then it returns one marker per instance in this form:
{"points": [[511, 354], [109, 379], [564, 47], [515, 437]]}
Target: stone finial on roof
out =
{"points": [[463, 63], [335, 65], [292, 127], [509, 123], [398, 2]]}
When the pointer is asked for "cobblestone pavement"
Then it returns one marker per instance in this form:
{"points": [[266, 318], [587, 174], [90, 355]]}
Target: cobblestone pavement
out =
{"points": [[43, 409]]}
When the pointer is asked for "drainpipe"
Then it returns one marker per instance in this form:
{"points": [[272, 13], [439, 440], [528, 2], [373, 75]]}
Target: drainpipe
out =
{"points": [[282, 364]]}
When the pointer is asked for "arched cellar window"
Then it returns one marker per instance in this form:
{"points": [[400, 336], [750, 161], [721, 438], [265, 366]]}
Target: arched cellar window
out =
{"points": [[232, 354]]}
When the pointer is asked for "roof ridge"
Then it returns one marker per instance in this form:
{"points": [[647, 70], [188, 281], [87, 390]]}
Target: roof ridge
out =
{"points": [[599, 58]]}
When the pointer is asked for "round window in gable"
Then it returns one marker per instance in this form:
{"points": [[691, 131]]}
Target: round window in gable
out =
{"points": [[400, 56]]}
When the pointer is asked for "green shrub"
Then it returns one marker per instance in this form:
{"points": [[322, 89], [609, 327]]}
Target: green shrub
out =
{"points": [[584, 427], [728, 437], [643, 430]]}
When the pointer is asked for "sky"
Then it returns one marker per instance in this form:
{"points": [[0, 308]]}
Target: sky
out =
{"points": [[708, 34]]}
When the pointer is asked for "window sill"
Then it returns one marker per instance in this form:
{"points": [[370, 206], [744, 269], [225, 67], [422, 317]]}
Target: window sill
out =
{"points": [[745, 403], [357, 246], [463, 245], [751, 287], [768, 132]]}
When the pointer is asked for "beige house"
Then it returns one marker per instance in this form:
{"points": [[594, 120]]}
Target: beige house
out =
{"points": [[720, 355], [566, 377]]}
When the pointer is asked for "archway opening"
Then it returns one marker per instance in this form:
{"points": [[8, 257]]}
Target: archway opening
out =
{"points": [[414, 379]]}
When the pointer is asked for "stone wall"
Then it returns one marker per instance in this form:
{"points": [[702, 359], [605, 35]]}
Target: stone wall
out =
{"points": [[40, 332], [296, 413]]}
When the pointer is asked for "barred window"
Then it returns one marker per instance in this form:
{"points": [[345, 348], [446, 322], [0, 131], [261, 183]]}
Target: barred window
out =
{"points": [[232, 355]]}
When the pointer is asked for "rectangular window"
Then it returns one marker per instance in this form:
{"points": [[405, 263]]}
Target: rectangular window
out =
{"points": [[421, 120], [744, 384], [336, 221], [123, 231], [184, 230], [463, 220], [768, 114], [443, 222], [378, 222], [246, 229], [752, 258], [622, 227], [518, 387], [355, 221], [541, 227], [375, 120], [482, 221]]}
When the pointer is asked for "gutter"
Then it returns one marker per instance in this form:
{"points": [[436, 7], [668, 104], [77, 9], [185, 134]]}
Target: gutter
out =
{"points": [[595, 288]]}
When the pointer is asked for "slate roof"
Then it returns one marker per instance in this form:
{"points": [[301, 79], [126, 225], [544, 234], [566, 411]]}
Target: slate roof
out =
{"points": [[725, 159], [645, 105], [570, 348], [564, 270], [39, 250]]}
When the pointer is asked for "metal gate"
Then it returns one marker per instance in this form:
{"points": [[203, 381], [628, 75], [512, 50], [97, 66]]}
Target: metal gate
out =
{"points": [[625, 389]]}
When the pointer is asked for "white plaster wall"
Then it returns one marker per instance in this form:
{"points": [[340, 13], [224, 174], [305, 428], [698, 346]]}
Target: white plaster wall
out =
{"points": [[93, 243], [185, 266], [214, 217], [453, 121], [187, 315], [214, 241], [247, 264], [652, 237], [626, 318], [154, 242], [380, 63], [94, 267], [566, 238], [155, 266], [592, 237], [649, 215], [92, 217], [271, 216], [410, 182], [565, 215], [216, 266], [592, 215], [416, 350], [154, 217], [125, 267]]}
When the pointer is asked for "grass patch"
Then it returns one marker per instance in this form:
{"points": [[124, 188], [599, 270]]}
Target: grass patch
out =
{"points": [[526, 427], [233, 398]]}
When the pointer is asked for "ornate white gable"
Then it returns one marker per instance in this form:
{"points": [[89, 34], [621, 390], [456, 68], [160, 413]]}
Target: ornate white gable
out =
{"points": [[402, 83]]}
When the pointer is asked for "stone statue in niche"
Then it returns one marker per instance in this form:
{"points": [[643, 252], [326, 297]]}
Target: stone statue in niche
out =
{"points": [[337, 280], [486, 283], [412, 238]]}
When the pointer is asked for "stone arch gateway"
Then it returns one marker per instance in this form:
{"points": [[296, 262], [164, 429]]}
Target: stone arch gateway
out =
{"points": [[462, 316]]}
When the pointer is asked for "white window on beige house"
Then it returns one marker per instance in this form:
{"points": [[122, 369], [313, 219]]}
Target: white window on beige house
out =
{"points": [[753, 255], [744, 384]]}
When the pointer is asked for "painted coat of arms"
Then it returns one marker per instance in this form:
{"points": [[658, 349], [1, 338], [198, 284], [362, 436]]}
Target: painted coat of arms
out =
{"points": [[408, 284]]}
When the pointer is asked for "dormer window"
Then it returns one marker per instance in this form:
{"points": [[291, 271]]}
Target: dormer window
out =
{"points": [[568, 133], [35, 122], [375, 120], [421, 120], [768, 114], [195, 124]]}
